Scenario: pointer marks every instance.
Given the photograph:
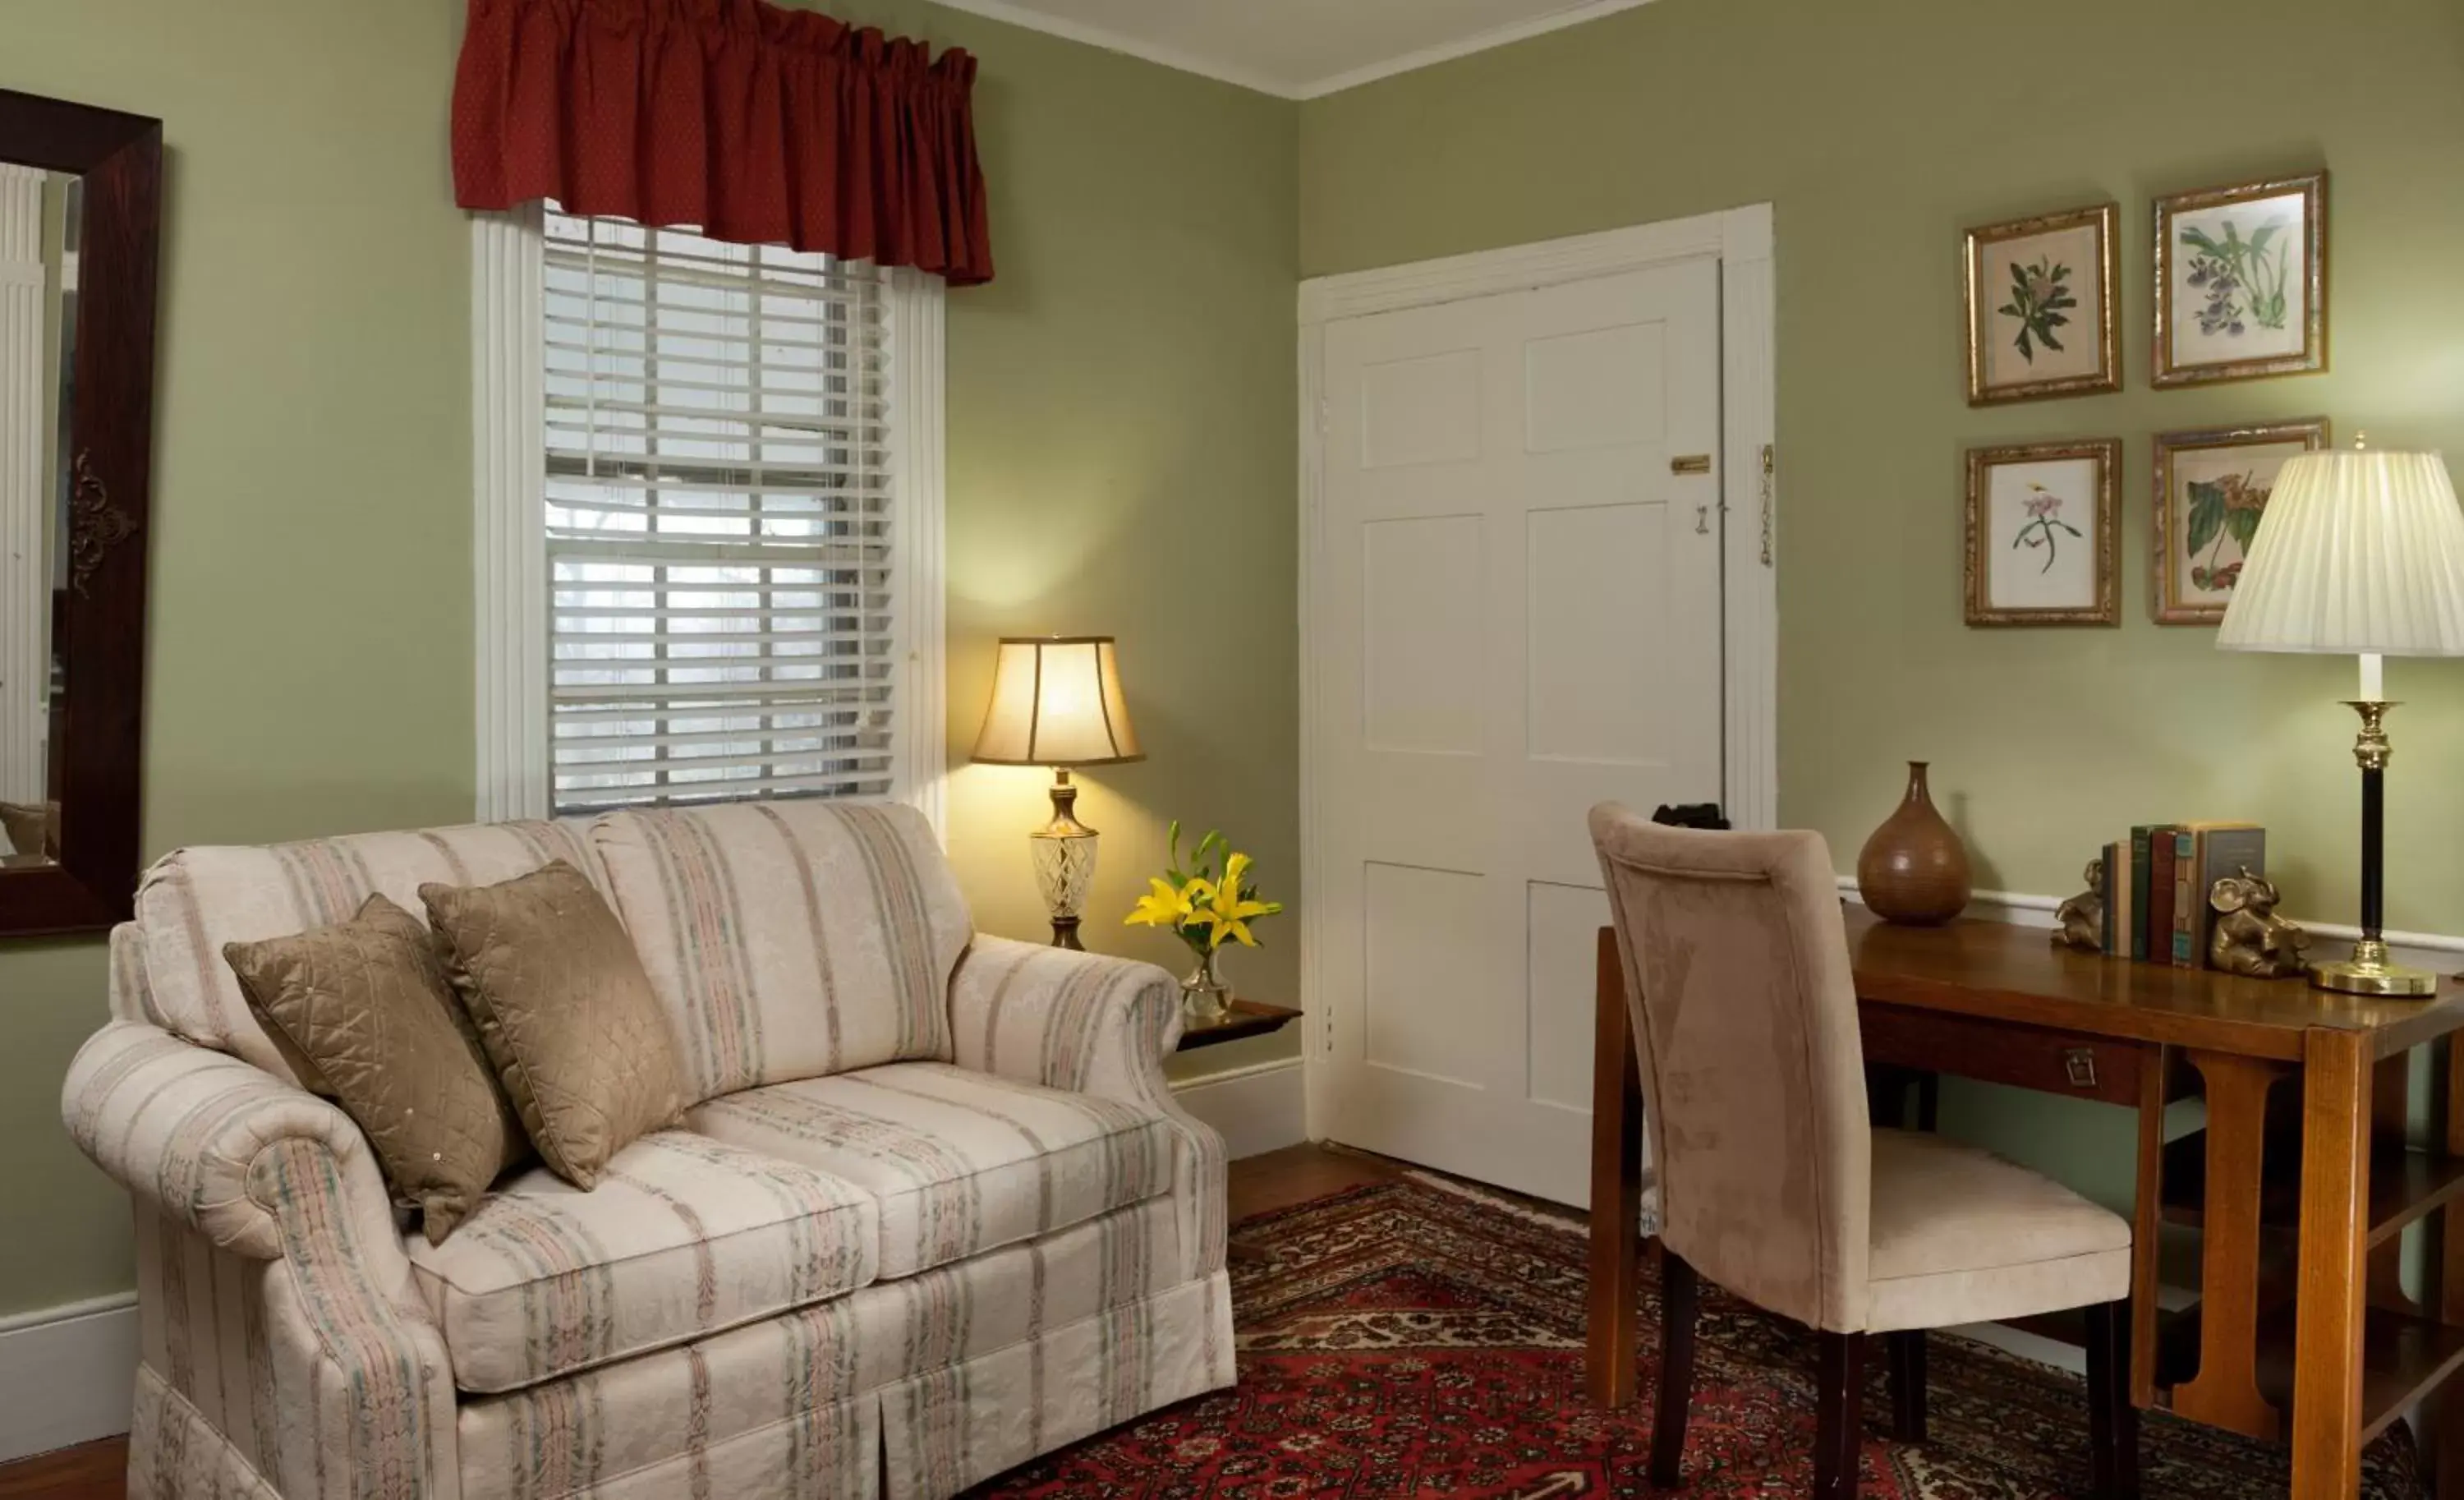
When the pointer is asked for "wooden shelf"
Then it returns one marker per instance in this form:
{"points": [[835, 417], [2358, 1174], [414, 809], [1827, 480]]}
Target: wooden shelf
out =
{"points": [[1246, 1018], [2405, 1185], [2404, 1358]]}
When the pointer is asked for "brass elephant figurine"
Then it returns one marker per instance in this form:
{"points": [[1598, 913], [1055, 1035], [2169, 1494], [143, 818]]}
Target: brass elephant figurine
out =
{"points": [[2080, 921], [2250, 938]]}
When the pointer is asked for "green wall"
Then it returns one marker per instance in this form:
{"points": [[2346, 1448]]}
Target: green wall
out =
{"points": [[1121, 439], [1879, 131], [1120, 458]]}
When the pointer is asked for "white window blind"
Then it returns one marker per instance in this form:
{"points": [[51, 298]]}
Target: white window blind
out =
{"points": [[723, 607]]}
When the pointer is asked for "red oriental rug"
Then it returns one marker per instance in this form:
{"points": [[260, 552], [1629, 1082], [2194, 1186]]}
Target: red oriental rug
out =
{"points": [[1417, 1338]]}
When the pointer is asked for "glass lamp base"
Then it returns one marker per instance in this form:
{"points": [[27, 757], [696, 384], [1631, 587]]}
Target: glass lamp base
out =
{"points": [[1065, 866], [1063, 855]]}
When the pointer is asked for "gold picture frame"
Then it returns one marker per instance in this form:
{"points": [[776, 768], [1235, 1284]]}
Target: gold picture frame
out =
{"points": [[2040, 306], [2241, 281], [2028, 561], [2212, 485]]}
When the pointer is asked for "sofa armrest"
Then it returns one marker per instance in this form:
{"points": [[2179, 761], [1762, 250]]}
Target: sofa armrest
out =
{"points": [[215, 1147], [1091, 1023], [1081, 1022], [181, 1128]]}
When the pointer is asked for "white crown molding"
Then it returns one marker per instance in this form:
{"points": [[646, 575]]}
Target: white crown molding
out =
{"points": [[1109, 40], [1481, 42], [1175, 57]]}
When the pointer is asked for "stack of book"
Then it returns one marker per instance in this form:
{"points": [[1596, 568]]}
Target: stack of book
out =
{"points": [[2156, 885]]}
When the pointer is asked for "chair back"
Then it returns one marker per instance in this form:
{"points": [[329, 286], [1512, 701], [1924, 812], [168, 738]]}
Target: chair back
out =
{"points": [[1744, 1010]]}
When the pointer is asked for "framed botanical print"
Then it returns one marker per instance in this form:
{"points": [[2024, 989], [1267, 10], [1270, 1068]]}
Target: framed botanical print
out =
{"points": [[2040, 307], [2041, 546], [2212, 487], [2241, 281]]}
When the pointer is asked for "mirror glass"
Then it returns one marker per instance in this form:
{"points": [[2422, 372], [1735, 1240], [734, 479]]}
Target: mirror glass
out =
{"points": [[39, 218]]}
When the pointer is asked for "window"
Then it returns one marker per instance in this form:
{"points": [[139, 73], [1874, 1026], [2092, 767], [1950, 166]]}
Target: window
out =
{"points": [[720, 565]]}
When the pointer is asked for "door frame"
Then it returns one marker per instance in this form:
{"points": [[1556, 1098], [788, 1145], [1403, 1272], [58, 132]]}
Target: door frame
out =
{"points": [[1741, 240]]}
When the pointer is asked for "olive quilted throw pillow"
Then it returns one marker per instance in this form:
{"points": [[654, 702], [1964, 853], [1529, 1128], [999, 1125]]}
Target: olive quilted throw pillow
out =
{"points": [[564, 1011], [367, 1006]]}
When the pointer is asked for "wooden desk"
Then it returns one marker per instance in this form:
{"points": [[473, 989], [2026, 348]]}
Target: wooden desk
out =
{"points": [[2000, 1002]]}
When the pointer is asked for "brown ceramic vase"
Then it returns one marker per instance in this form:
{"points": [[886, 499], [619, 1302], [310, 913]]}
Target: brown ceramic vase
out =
{"points": [[1914, 870]]}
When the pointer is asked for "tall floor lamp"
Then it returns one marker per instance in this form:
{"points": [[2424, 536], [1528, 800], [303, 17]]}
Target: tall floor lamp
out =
{"points": [[2360, 552], [1057, 701]]}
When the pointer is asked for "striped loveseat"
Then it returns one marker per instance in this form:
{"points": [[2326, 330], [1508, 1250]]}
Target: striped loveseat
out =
{"points": [[930, 1214]]}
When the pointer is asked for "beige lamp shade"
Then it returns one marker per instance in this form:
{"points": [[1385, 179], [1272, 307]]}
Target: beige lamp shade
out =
{"points": [[1057, 701], [2358, 553]]}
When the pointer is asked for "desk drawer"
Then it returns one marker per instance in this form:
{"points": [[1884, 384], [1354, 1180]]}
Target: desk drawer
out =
{"points": [[2043, 1058]]}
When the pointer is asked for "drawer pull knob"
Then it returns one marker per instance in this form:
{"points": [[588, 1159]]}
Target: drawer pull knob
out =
{"points": [[2079, 1062]]}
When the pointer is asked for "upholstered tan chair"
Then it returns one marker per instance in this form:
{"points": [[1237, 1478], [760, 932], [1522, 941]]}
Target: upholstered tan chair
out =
{"points": [[1774, 1184]]}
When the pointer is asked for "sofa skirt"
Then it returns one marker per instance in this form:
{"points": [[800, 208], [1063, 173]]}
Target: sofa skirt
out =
{"points": [[960, 1425], [174, 1451]]}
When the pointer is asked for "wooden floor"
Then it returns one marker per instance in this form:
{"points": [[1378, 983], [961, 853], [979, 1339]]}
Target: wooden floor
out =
{"points": [[1258, 1184]]}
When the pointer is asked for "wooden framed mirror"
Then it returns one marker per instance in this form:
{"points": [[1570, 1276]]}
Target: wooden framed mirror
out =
{"points": [[80, 208]]}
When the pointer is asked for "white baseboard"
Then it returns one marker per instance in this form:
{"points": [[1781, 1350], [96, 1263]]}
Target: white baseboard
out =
{"points": [[1257, 1110], [67, 1375], [2026, 1345], [2435, 952]]}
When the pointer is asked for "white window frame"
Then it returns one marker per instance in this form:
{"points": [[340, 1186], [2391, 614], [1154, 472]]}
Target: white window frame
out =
{"points": [[509, 542], [29, 504]]}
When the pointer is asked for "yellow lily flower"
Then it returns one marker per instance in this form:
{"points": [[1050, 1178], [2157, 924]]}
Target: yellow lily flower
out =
{"points": [[1225, 913], [1162, 905]]}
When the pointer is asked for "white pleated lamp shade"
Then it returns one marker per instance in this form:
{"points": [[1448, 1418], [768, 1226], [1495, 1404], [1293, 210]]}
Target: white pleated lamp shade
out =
{"points": [[2359, 552]]}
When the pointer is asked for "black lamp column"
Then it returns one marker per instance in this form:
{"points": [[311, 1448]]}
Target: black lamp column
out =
{"points": [[2368, 972]]}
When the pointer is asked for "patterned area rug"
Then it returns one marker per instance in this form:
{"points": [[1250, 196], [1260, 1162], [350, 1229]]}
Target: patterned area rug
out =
{"points": [[1417, 1338]]}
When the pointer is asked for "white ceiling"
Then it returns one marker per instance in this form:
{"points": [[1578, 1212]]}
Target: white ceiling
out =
{"points": [[1297, 49]]}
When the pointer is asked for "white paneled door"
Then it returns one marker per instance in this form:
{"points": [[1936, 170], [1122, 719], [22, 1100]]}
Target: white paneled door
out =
{"points": [[1515, 614]]}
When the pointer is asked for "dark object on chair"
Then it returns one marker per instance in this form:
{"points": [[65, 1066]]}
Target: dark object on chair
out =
{"points": [[1691, 815]]}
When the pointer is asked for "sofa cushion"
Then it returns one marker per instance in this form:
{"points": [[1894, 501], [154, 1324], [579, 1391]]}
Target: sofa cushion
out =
{"points": [[790, 940], [564, 1011], [682, 1236], [371, 1016], [960, 1162], [194, 900]]}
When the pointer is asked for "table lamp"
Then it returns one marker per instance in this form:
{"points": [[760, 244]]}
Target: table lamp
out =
{"points": [[1057, 701], [2359, 552]]}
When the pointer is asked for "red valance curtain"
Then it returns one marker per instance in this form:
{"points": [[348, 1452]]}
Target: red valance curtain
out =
{"points": [[756, 124]]}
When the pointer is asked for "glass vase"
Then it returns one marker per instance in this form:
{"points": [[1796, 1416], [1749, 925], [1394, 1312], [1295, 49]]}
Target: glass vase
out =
{"points": [[1205, 999]]}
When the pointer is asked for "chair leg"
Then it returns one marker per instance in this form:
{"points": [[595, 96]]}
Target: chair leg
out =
{"points": [[1906, 1351], [1840, 1419], [1680, 1300], [2112, 1421]]}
